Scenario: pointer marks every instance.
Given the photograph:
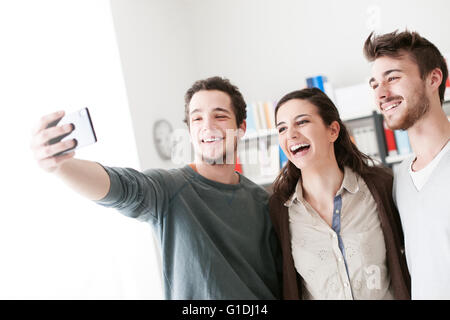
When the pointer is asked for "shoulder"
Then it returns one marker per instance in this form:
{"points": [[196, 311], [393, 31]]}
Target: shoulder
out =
{"points": [[168, 178], [378, 176], [257, 191], [165, 173]]}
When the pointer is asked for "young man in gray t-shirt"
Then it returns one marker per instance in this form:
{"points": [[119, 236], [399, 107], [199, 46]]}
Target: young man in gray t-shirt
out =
{"points": [[213, 226], [408, 79]]}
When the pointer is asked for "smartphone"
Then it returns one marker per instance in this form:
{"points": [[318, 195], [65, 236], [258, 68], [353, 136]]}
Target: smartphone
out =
{"points": [[83, 130]]}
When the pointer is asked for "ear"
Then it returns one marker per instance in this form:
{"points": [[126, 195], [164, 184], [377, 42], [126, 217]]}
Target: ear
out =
{"points": [[242, 128], [434, 79], [335, 128]]}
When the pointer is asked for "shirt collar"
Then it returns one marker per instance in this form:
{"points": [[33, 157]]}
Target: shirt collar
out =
{"points": [[349, 183], [298, 194]]}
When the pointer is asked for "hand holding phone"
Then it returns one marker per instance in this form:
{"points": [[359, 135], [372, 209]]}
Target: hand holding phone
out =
{"points": [[82, 130], [57, 135]]}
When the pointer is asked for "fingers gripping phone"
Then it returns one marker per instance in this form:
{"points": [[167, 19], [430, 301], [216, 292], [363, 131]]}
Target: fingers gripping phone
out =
{"points": [[83, 130]]}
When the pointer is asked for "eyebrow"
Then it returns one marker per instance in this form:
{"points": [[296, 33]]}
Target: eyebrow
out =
{"points": [[220, 109], [385, 74], [299, 116]]}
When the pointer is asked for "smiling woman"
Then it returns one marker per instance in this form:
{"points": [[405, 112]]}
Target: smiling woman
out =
{"points": [[327, 178], [53, 243]]}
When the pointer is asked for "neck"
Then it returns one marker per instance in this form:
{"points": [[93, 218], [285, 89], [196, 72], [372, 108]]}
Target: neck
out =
{"points": [[223, 173], [322, 181], [429, 134]]}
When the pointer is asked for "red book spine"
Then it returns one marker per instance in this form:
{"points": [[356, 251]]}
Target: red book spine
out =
{"points": [[238, 166], [390, 140], [447, 85]]}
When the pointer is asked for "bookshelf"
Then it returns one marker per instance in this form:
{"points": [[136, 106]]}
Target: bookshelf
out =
{"points": [[397, 158], [260, 155], [260, 134], [367, 131], [368, 134]]}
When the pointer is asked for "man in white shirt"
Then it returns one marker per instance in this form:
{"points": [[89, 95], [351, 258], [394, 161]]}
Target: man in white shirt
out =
{"points": [[408, 80]]}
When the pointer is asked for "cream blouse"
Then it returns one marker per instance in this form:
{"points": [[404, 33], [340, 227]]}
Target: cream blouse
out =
{"points": [[347, 260]]}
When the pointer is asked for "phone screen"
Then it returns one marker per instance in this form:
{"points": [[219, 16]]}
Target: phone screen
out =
{"points": [[83, 131]]}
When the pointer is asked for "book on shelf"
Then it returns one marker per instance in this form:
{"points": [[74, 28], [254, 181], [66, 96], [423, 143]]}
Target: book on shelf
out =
{"points": [[322, 83], [447, 90], [260, 116], [269, 112], [248, 154], [260, 158], [366, 140], [316, 82], [251, 121], [283, 158], [268, 158], [390, 140], [402, 140], [238, 165]]}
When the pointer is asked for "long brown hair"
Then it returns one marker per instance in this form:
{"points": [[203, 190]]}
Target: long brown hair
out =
{"points": [[347, 154]]}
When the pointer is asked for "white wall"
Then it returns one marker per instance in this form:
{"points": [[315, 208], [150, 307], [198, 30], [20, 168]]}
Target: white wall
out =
{"points": [[62, 54], [157, 55], [269, 47], [266, 47]]}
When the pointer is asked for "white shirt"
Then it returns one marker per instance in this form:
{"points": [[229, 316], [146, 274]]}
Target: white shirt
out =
{"points": [[425, 216], [420, 177]]}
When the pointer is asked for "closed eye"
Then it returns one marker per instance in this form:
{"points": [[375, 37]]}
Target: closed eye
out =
{"points": [[392, 78]]}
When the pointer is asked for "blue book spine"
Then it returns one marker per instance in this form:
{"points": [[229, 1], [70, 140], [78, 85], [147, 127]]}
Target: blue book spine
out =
{"points": [[402, 140], [283, 158], [251, 124], [318, 83]]}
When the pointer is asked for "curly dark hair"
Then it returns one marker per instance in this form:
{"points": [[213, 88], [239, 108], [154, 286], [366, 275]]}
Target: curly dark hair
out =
{"points": [[217, 83]]}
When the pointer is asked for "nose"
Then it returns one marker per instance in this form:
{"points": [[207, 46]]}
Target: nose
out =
{"points": [[382, 92], [209, 126], [292, 133], [207, 123]]}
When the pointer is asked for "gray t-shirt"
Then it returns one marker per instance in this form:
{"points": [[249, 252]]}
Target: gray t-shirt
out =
{"points": [[217, 241]]}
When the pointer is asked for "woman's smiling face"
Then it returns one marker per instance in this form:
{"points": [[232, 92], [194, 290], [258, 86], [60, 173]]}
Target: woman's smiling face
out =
{"points": [[303, 136]]}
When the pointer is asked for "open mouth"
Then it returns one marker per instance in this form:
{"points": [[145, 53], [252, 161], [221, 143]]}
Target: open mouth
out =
{"points": [[392, 106], [212, 139], [299, 148]]}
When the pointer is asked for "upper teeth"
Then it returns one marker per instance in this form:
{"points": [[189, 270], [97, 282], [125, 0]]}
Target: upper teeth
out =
{"points": [[391, 106], [212, 139], [297, 146]]}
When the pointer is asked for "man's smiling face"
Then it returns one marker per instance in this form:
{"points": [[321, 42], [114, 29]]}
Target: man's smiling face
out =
{"points": [[399, 90], [213, 127]]}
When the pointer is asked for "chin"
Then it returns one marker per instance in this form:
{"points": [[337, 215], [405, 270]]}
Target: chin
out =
{"points": [[397, 124], [212, 159], [300, 163]]}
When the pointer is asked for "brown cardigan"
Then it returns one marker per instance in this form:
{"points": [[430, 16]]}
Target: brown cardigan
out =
{"points": [[379, 182]]}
